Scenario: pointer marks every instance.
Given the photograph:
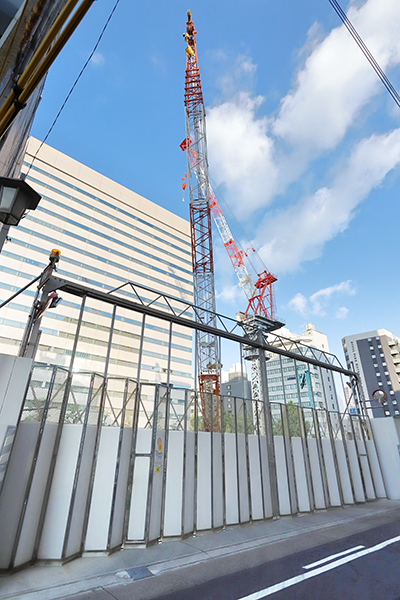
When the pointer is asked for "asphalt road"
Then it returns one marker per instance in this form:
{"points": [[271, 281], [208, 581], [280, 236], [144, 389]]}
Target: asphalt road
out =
{"points": [[359, 560], [359, 567]]}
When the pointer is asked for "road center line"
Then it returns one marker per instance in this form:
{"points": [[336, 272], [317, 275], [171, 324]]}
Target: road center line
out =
{"points": [[328, 558], [293, 580]]}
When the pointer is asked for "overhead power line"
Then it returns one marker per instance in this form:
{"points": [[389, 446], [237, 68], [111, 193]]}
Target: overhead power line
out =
{"points": [[76, 81], [382, 76]]}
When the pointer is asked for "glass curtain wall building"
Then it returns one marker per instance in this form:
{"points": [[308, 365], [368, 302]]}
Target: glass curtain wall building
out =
{"points": [[107, 235]]}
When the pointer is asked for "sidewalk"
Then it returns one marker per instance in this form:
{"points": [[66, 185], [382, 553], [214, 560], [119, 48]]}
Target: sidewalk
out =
{"points": [[48, 582]]}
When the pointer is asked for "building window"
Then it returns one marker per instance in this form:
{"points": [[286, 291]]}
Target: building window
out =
{"points": [[228, 387], [370, 339], [229, 393], [377, 337], [380, 383], [371, 347], [386, 372], [379, 346], [381, 355], [384, 364], [373, 356], [389, 382], [375, 365], [391, 392], [378, 374]]}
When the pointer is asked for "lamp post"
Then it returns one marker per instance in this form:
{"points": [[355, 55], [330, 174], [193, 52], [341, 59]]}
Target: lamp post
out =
{"points": [[16, 197]]}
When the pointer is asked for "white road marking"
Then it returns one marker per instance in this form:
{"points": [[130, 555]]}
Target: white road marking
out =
{"points": [[328, 558], [293, 580]]}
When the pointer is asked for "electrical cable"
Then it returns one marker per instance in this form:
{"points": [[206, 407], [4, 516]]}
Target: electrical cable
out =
{"points": [[75, 82], [353, 32]]}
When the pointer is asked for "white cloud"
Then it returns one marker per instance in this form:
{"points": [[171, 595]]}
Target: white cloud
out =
{"points": [[337, 80], [341, 312], [98, 59], [318, 303], [238, 73], [322, 297], [299, 304], [242, 153], [298, 233], [230, 293], [249, 152]]}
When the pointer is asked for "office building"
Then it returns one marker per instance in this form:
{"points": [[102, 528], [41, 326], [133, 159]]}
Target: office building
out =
{"points": [[108, 235], [295, 382], [375, 357], [238, 385]]}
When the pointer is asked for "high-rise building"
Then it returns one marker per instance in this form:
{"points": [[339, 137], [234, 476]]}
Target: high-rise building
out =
{"points": [[375, 357], [108, 235], [295, 382], [238, 385]]}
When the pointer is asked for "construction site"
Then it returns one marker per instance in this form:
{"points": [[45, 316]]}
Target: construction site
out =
{"points": [[122, 439]]}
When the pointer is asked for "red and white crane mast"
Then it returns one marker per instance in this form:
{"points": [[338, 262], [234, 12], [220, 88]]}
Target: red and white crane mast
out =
{"points": [[207, 347]]}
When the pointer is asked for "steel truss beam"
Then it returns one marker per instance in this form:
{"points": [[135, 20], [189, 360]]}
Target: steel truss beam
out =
{"points": [[175, 316]]}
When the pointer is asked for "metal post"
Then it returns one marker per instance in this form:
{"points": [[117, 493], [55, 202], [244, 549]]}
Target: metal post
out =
{"points": [[212, 458], [290, 470], [322, 466], [196, 466], [297, 382], [283, 381], [117, 467], [344, 440], [135, 425], [59, 432], [306, 456], [223, 462], [4, 229], [152, 461], [246, 438], [269, 432], [185, 418], [358, 454], [33, 466], [335, 460], [166, 423], [98, 431], [237, 458], [77, 471]]}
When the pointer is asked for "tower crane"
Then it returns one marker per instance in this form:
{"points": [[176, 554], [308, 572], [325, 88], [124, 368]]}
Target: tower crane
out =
{"points": [[206, 344], [259, 316], [260, 313]]}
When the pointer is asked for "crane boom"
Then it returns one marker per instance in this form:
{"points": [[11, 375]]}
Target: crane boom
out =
{"points": [[260, 295], [207, 347]]}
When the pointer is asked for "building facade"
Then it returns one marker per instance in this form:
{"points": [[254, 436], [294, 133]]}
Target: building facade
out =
{"points": [[107, 235], [375, 357], [291, 381], [23, 25], [238, 385]]}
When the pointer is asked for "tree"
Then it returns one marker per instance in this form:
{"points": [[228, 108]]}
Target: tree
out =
{"points": [[294, 422]]}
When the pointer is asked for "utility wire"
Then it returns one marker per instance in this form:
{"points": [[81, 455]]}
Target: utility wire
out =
{"points": [[75, 82], [382, 76]]}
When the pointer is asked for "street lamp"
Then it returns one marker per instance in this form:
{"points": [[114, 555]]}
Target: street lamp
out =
{"points": [[16, 196]]}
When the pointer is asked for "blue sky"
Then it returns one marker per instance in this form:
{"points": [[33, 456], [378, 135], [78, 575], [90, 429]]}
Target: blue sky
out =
{"points": [[304, 141]]}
